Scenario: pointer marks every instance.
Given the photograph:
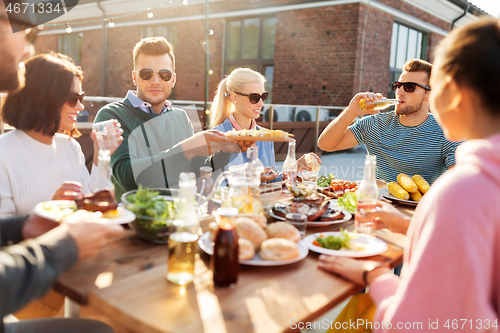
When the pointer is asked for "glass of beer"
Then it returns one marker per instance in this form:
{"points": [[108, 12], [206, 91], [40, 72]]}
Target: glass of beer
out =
{"points": [[182, 247]]}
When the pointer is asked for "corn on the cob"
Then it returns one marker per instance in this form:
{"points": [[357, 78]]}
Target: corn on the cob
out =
{"points": [[422, 184], [396, 190], [416, 196], [407, 183]]}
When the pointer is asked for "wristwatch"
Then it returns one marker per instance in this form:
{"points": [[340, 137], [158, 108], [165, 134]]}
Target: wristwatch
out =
{"points": [[370, 266]]}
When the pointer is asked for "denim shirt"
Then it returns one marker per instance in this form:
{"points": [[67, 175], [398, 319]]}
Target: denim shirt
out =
{"points": [[266, 150]]}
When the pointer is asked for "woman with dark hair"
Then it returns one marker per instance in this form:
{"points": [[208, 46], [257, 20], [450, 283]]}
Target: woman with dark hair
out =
{"points": [[41, 157], [451, 274]]}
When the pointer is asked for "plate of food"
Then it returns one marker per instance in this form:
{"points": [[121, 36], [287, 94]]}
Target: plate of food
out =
{"points": [[338, 187], [406, 190], [259, 135], [58, 210], [319, 213], [386, 194], [275, 246], [345, 244]]}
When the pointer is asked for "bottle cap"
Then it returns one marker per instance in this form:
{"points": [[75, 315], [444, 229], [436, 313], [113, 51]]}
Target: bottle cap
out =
{"points": [[205, 169], [227, 211]]}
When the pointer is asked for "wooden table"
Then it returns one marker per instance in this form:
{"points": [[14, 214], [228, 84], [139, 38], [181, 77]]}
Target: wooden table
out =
{"points": [[127, 282]]}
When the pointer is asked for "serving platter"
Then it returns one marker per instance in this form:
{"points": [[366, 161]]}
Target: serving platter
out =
{"points": [[260, 138], [347, 217], [317, 223]]}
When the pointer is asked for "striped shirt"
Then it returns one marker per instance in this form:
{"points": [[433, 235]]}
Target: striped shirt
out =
{"points": [[421, 149]]}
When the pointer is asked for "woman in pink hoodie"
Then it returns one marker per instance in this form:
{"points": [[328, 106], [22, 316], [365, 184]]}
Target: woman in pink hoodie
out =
{"points": [[451, 275]]}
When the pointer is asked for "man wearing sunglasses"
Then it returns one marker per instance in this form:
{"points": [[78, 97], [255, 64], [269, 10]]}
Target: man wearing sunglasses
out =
{"points": [[406, 140], [158, 140], [29, 269]]}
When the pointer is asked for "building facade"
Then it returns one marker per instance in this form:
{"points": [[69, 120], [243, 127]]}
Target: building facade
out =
{"points": [[311, 52]]}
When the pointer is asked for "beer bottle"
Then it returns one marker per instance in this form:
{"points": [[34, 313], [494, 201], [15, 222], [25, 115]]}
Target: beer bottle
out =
{"points": [[380, 104], [224, 262]]}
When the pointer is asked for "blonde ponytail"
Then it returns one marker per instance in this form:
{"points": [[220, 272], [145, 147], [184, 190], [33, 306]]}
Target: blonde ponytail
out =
{"points": [[222, 107]]}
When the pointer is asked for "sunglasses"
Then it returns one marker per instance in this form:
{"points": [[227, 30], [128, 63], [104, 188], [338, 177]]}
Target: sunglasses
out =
{"points": [[31, 32], [409, 87], [147, 73], [254, 97], [75, 98]]}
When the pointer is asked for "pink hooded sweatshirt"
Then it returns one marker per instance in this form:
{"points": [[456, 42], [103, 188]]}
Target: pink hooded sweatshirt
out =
{"points": [[451, 275]]}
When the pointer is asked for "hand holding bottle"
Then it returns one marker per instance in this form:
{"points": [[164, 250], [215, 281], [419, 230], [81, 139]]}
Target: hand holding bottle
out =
{"points": [[309, 162], [389, 217], [354, 105]]}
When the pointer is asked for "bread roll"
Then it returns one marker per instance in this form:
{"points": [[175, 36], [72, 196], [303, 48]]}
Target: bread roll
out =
{"points": [[283, 230], [246, 249], [278, 249], [259, 218], [249, 229]]}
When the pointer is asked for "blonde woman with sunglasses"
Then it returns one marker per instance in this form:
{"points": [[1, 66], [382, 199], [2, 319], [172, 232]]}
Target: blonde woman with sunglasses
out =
{"points": [[237, 104], [41, 160]]}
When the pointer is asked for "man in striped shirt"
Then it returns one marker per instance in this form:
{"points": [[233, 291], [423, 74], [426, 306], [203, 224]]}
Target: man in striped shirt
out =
{"points": [[406, 140]]}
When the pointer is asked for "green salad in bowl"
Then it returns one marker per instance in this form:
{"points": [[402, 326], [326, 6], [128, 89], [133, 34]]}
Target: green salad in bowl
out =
{"points": [[155, 211]]}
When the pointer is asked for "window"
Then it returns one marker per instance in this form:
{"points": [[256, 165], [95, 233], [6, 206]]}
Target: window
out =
{"points": [[71, 45], [169, 32], [250, 43], [406, 44]]}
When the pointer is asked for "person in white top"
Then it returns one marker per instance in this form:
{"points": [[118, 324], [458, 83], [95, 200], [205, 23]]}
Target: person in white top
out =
{"points": [[41, 160]]}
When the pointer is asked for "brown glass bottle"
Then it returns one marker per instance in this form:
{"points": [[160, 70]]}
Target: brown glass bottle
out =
{"points": [[224, 261]]}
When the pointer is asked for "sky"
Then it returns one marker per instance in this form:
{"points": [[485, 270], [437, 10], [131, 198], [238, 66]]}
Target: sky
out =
{"points": [[492, 7]]}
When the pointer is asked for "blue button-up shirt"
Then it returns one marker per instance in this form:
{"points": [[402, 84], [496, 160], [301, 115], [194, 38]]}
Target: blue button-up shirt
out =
{"points": [[145, 106]]}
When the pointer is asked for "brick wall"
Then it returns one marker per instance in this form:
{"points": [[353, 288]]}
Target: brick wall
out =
{"points": [[45, 44], [373, 51], [318, 51], [434, 40], [416, 12]]}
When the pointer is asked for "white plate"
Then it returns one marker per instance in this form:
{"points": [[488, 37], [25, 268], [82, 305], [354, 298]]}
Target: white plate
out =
{"points": [[208, 247], [373, 245], [333, 203], [385, 193], [124, 215]]}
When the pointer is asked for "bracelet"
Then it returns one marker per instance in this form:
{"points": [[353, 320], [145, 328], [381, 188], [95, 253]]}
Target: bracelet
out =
{"points": [[370, 267]]}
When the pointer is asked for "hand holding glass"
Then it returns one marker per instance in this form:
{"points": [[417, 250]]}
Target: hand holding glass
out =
{"points": [[106, 134]]}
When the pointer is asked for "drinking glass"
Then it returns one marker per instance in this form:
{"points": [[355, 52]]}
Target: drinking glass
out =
{"points": [[310, 180], [299, 221], [106, 134]]}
